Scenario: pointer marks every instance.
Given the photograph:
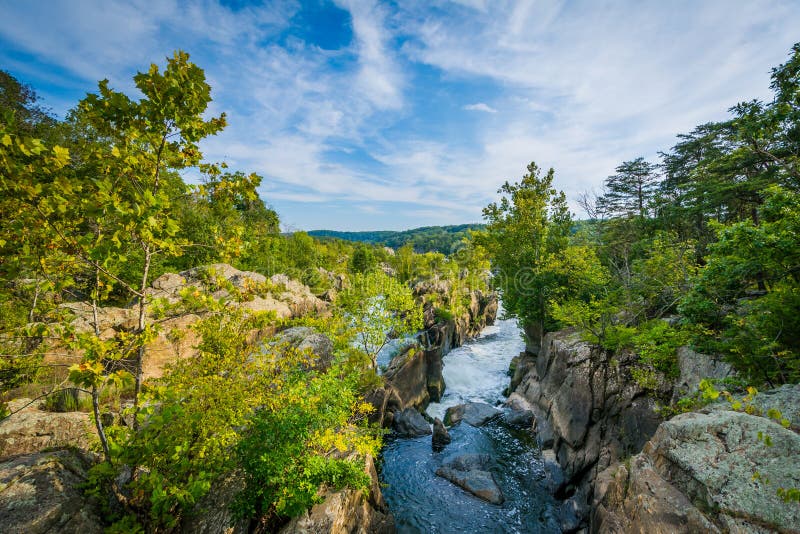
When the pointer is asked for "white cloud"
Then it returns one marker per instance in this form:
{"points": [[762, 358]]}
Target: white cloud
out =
{"points": [[480, 106], [586, 85], [379, 79]]}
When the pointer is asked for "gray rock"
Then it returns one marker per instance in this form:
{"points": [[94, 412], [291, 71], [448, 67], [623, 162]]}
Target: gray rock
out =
{"points": [[40, 493], [785, 399], [696, 474], [695, 367], [441, 436], [553, 472], [474, 413], [469, 472], [410, 423], [304, 338], [32, 430], [519, 419]]}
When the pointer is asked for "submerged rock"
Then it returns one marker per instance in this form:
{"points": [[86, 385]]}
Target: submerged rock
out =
{"points": [[441, 436], [474, 413], [469, 472], [410, 423]]}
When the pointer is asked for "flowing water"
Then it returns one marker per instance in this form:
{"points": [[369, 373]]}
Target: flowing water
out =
{"points": [[425, 503]]}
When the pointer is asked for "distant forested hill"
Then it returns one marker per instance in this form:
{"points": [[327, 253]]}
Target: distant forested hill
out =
{"points": [[426, 239]]}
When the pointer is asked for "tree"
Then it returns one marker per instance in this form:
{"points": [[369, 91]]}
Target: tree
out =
{"points": [[630, 191], [362, 260], [19, 107], [525, 231], [378, 307], [108, 209], [747, 296]]}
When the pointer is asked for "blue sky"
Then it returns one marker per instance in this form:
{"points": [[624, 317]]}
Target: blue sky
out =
{"points": [[390, 115]]}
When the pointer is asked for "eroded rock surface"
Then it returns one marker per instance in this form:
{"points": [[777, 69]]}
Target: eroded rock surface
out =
{"points": [[40, 494], [471, 473], [32, 430], [697, 475]]}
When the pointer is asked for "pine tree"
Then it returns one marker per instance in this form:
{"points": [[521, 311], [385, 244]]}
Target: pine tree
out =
{"points": [[630, 190]]}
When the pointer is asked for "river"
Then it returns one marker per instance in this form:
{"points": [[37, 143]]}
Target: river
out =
{"points": [[422, 502]]}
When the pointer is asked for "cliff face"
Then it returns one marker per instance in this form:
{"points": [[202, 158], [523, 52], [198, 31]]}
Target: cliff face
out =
{"points": [[587, 409]]}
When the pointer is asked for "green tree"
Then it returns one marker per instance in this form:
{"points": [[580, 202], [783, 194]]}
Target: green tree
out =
{"points": [[377, 307], [630, 191], [526, 231], [747, 295], [362, 260]]}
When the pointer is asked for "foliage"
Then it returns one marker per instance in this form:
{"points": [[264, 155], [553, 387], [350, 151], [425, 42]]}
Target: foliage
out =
{"points": [[748, 294], [631, 190], [378, 307], [214, 413], [526, 233], [362, 260]]}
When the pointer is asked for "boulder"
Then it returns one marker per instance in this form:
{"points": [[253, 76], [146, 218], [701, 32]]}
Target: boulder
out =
{"points": [[694, 367], [410, 372], [474, 413], [698, 473], [347, 511], [32, 430], [470, 472], [518, 419], [410, 423], [41, 494], [304, 338], [441, 436]]}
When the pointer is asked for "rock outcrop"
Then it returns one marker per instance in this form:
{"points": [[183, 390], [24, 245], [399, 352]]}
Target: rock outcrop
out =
{"points": [[692, 473], [347, 512], [705, 472], [587, 409], [414, 377], [32, 430], [280, 294], [40, 494]]}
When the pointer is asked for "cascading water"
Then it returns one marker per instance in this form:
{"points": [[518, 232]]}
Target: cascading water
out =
{"points": [[422, 502]]}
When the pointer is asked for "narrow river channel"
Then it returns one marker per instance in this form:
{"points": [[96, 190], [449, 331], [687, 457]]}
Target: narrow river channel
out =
{"points": [[425, 503]]}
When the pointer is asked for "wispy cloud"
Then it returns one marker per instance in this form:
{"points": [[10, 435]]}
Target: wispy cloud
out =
{"points": [[374, 134], [480, 106]]}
